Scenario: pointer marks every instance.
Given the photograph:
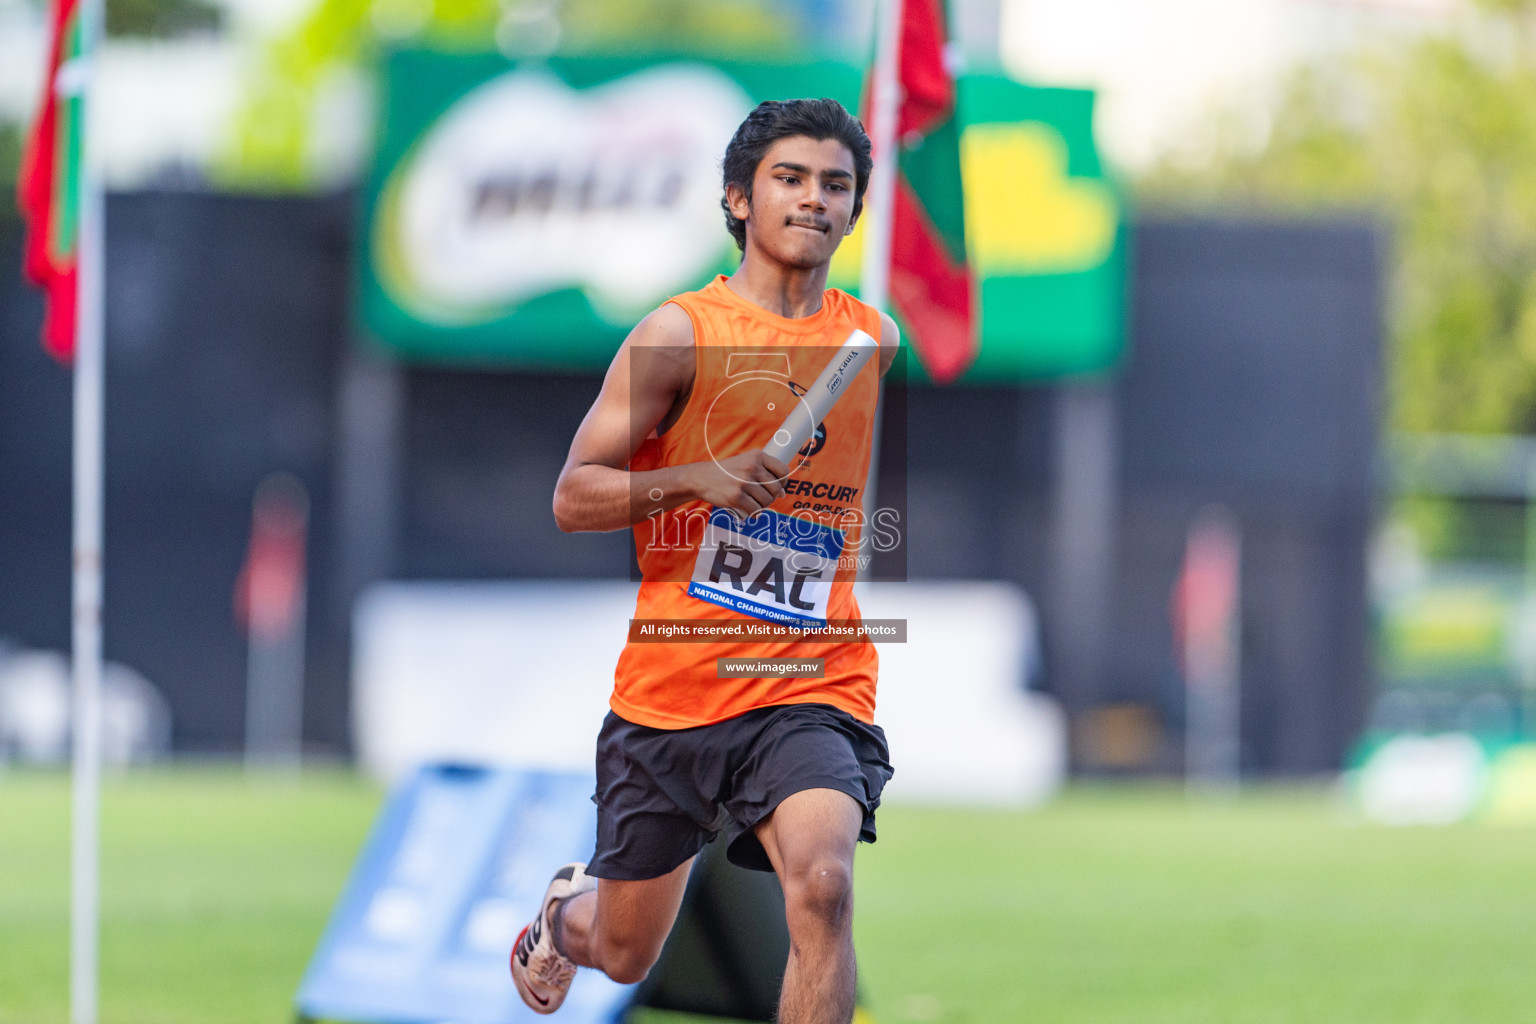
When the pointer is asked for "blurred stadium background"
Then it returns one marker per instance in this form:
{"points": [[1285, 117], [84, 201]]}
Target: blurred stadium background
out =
{"points": [[1259, 277]]}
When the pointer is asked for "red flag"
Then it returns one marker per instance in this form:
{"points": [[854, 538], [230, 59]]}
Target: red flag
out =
{"points": [[269, 592], [932, 285], [48, 189], [1204, 605]]}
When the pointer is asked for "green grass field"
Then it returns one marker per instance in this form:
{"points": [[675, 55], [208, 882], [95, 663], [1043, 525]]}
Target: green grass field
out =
{"points": [[1109, 906]]}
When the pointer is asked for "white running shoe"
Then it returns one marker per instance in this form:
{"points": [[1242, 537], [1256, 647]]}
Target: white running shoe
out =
{"points": [[542, 974]]}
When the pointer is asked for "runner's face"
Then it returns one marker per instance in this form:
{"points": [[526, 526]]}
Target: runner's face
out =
{"points": [[802, 201]]}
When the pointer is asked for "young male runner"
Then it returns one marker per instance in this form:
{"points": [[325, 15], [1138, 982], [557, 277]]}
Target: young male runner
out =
{"points": [[676, 435]]}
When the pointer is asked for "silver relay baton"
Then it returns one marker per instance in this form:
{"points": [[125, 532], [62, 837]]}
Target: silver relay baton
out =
{"points": [[801, 423]]}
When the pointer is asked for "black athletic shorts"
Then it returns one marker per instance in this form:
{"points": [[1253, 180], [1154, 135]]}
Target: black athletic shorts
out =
{"points": [[663, 793]]}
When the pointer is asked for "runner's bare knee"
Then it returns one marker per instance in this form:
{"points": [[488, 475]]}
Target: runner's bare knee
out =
{"points": [[820, 894], [628, 964]]}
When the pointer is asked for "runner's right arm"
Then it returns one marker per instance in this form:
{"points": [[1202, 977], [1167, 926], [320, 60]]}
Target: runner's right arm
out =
{"points": [[649, 381]]}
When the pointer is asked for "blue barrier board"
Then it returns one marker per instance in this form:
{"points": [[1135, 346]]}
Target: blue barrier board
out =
{"points": [[455, 866]]}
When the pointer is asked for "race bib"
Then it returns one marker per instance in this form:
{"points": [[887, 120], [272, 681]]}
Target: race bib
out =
{"points": [[771, 566]]}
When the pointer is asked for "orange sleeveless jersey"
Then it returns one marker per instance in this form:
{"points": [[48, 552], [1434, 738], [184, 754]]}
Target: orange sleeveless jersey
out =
{"points": [[748, 364]]}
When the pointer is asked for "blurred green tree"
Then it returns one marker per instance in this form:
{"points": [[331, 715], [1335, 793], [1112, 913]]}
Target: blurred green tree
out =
{"points": [[162, 19], [138, 19], [271, 142], [1436, 134], [10, 165]]}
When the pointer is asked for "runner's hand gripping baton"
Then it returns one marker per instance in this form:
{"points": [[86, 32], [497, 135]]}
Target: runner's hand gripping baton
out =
{"points": [[814, 405]]}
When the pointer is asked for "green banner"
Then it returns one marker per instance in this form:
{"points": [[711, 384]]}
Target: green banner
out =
{"points": [[527, 215], [1046, 232]]}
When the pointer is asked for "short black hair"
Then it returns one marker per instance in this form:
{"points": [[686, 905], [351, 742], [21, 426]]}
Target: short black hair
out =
{"points": [[780, 119]]}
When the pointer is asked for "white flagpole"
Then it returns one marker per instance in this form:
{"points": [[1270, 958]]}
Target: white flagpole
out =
{"points": [[880, 204], [89, 359]]}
